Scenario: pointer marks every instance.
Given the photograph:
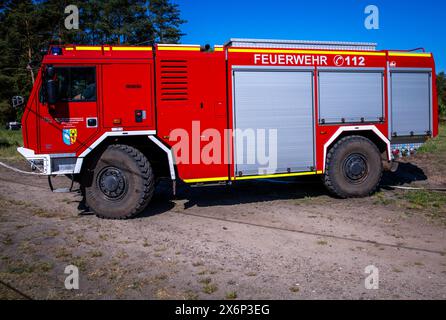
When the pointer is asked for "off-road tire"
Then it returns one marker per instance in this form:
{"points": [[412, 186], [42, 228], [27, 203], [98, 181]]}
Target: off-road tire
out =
{"points": [[350, 158], [122, 183]]}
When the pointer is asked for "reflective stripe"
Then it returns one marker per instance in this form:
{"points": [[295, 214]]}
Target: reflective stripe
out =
{"points": [[179, 48], [86, 48], [205, 179], [266, 176], [279, 175], [131, 48], [405, 54]]}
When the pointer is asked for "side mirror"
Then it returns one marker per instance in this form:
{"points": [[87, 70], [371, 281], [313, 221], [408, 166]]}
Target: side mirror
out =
{"points": [[52, 93], [17, 101]]}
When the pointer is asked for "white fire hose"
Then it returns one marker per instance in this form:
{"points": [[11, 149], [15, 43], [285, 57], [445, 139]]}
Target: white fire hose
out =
{"points": [[20, 171]]}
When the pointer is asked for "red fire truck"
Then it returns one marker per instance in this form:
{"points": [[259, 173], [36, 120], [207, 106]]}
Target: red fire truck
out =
{"points": [[118, 118]]}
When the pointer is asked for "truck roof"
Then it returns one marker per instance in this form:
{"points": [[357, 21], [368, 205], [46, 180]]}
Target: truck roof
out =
{"points": [[301, 44]]}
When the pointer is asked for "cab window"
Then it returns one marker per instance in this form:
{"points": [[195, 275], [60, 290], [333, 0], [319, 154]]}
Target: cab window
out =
{"points": [[77, 83]]}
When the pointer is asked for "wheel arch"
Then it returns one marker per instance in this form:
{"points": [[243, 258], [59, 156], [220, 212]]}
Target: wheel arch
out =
{"points": [[370, 132], [159, 155]]}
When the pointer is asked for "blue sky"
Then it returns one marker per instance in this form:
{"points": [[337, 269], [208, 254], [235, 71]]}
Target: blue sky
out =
{"points": [[402, 24]]}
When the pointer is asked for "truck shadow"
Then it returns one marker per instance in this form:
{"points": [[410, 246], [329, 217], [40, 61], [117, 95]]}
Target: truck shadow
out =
{"points": [[258, 191], [407, 173], [241, 193]]}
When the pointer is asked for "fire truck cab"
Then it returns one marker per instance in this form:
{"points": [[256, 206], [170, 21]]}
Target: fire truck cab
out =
{"points": [[117, 118]]}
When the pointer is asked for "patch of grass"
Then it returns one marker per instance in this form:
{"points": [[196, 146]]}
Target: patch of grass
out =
{"points": [[161, 276], [9, 141], [7, 240], [79, 262], [103, 236], [210, 288], [436, 145], [45, 266], [20, 268], [135, 285], [322, 242], [294, 289], [251, 274], [231, 295], [122, 255], [51, 233], [162, 294], [95, 254], [434, 202], [205, 281], [146, 243], [43, 213], [190, 295], [63, 253], [381, 198], [27, 247]]}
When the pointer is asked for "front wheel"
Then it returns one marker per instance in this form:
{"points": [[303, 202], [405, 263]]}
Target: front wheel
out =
{"points": [[353, 167], [122, 183]]}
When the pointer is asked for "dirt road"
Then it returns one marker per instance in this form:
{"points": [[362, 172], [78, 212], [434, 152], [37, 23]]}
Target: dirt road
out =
{"points": [[256, 240]]}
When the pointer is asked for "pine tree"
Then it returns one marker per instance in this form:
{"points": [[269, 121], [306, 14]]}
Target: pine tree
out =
{"points": [[30, 26], [19, 43], [166, 21]]}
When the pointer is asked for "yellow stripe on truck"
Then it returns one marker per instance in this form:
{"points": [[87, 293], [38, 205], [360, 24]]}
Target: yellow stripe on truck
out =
{"points": [[88, 48], [179, 48], [132, 48], [205, 180], [279, 175], [266, 176], [407, 54]]}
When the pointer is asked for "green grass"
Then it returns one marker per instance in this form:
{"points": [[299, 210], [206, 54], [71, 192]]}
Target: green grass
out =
{"points": [[231, 295], [435, 202], [436, 145], [210, 288], [9, 141]]}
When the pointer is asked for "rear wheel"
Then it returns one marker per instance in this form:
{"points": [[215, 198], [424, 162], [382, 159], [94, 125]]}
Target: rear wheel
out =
{"points": [[122, 183], [353, 167]]}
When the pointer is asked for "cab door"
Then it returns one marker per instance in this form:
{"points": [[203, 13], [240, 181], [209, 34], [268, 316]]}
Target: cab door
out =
{"points": [[68, 125]]}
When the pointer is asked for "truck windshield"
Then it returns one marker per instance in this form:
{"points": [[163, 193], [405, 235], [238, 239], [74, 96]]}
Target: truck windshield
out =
{"points": [[77, 83]]}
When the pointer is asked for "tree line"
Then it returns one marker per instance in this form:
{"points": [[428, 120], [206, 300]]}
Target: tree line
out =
{"points": [[28, 27]]}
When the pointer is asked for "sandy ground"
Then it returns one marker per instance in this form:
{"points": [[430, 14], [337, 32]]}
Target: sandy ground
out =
{"points": [[257, 240]]}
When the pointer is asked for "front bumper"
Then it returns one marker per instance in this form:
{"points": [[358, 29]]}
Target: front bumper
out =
{"points": [[52, 164]]}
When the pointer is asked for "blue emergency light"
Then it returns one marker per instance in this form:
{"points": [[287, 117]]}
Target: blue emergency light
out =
{"points": [[56, 51]]}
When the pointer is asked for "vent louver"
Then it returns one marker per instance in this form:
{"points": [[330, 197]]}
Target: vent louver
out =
{"points": [[174, 80]]}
